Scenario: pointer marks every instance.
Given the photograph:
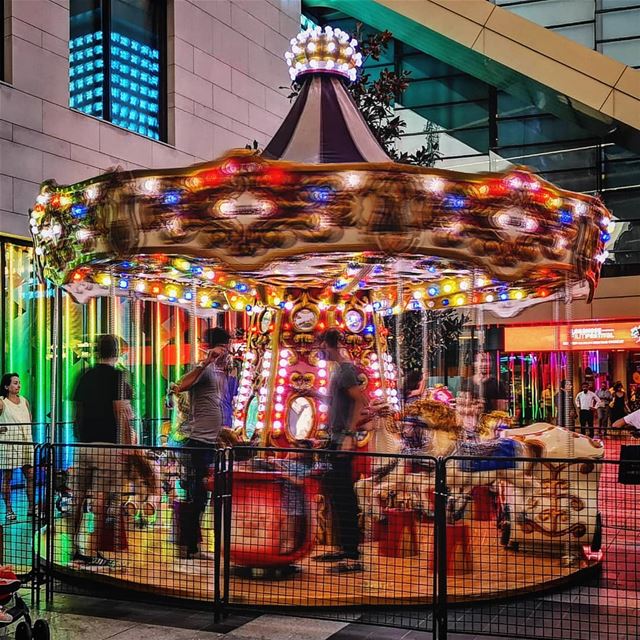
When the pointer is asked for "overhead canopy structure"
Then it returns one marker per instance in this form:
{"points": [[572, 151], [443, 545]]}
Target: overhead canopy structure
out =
{"points": [[323, 207], [526, 60]]}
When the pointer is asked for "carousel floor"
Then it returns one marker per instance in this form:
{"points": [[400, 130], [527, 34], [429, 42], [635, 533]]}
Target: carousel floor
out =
{"points": [[489, 571]]}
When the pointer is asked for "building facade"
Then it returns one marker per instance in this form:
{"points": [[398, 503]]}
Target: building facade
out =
{"points": [[220, 75]]}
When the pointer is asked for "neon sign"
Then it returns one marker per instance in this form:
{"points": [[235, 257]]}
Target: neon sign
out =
{"points": [[582, 337]]}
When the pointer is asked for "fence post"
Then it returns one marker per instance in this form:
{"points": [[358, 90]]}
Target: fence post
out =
{"points": [[440, 563], [218, 478], [35, 529], [227, 503]]}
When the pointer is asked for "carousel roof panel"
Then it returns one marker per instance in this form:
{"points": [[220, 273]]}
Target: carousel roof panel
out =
{"points": [[281, 224]]}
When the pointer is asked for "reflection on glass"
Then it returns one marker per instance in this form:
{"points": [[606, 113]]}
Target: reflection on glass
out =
{"points": [[354, 321], [252, 417], [300, 418], [265, 320]]}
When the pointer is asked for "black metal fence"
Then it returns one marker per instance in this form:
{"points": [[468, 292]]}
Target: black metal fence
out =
{"points": [[531, 547]]}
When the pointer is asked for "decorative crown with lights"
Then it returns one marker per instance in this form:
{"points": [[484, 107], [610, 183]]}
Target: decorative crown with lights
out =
{"points": [[329, 50]]}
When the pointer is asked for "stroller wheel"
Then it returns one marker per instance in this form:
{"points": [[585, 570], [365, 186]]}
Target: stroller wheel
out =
{"points": [[41, 630], [23, 632]]}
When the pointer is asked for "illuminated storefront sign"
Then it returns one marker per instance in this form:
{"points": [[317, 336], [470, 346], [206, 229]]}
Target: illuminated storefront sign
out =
{"points": [[582, 337]]}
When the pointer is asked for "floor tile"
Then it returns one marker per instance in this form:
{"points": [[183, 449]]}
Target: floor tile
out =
{"points": [[271, 627], [155, 632], [67, 626]]}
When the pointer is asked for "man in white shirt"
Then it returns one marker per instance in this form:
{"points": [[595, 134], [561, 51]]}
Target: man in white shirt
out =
{"points": [[631, 420], [586, 402]]}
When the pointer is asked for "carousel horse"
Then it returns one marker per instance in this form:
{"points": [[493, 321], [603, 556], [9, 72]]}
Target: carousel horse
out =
{"points": [[441, 435]]}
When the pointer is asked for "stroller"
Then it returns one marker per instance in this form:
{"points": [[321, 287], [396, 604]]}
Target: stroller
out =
{"points": [[26, 630]]}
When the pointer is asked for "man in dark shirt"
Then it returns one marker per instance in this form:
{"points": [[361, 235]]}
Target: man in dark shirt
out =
{"points": [[102, 416], [346, 404], [207, 386], [487, 388]]}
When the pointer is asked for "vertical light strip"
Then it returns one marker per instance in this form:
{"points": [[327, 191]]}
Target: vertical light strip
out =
{"points": [[177, 372], [136, 336], [9, 319], [91, 329], [67, 368], [42, 361], [157, 372]]}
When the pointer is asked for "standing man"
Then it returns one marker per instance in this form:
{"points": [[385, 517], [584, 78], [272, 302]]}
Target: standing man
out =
{"points": [[547, 402], [586, 402], [604, 398], [103, 415], [207, 387], [487, 388], [346, 404], [562, 419]]}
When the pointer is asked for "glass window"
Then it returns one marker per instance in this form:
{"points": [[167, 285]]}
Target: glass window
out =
{"points": [[117, 63], [625, 51], [549, 13], [621, 24], [581, 33], [617, 4]]}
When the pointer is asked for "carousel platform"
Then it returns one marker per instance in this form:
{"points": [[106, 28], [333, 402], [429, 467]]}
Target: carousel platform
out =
{"points": [[482, 571]]}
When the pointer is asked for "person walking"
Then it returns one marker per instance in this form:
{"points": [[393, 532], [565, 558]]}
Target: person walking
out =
{"points": [[207, 387], [103, 416], [547, 402], [618, 405], [562, 408], [604, 399], [15, 426], [347, 402], [586, 401]]}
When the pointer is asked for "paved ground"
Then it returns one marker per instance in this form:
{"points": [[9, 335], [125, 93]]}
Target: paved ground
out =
{"points": [[85, 618]]}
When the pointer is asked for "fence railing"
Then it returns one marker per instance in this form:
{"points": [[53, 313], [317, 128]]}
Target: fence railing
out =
{"points": [[484, 545]]}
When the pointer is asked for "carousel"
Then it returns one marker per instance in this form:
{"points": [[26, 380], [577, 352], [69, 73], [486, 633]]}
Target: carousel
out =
{"points": [[322, 229]]}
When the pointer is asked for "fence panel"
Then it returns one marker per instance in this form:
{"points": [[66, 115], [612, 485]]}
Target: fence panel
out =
{"points": [[297, 538], [132, 520], [18, 465], [546, 547]]}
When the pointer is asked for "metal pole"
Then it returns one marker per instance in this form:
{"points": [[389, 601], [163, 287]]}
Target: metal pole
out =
{"points": [[193, 329], [113, 301], [398, 323], [440, 564], [426, 361]]}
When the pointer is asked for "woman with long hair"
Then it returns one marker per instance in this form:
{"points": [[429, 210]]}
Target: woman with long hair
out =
{"points": [[15, 426], [619, 406]]}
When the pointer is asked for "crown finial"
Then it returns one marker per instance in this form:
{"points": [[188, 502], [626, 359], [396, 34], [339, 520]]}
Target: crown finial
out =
{"points": [[323, 50]]}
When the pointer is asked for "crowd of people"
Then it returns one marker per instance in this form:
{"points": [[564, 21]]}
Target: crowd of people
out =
{"points": [[104, 416]]}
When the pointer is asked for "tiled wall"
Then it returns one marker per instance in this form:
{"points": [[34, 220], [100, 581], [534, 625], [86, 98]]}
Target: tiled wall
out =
{"points": [[225, 70]]}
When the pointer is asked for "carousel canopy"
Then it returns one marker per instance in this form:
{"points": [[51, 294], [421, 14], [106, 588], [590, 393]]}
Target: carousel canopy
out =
{"points": [[324, 208]]}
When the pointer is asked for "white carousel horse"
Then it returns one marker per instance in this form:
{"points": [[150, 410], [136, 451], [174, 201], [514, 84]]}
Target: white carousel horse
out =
{"points": [[442, 436]]}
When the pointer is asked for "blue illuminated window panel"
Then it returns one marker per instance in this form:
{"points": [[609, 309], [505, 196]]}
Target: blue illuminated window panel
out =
{"points": [[83, 82], [134, 68]]}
